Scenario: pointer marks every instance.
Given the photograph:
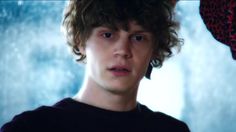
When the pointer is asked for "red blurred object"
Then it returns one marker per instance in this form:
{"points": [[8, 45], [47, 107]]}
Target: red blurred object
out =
{"points": [[173, 2], [220, 19]]}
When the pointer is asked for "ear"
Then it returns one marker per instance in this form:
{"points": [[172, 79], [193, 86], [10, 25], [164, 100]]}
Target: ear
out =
{"points": [[153, 56], [82, 50]]}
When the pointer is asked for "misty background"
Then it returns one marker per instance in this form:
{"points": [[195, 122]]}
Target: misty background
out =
{"points": [[37, 68]]}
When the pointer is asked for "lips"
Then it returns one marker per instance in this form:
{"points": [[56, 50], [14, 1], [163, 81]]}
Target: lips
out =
{"points": [[120, 70]]}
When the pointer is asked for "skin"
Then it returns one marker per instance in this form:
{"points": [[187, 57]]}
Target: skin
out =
{"points": [[106, 49]]}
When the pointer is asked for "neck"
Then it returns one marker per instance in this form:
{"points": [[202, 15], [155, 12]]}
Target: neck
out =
{"points": [[93, 94]]}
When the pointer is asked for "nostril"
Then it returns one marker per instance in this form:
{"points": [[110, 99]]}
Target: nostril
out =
{"points": [[124, 54]]}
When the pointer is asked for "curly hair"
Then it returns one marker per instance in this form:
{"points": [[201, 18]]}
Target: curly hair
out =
{"points": [[155, 16]]}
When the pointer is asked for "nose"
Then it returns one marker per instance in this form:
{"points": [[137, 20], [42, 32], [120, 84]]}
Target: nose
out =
{"points": [[123, 48]]}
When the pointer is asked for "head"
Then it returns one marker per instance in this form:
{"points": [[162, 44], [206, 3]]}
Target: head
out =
{"points": [[155, 16]]}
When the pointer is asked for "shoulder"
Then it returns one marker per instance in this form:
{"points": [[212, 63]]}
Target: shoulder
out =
{"points": [[170, 123], [164, 122], [37, 119], [26, 120]]}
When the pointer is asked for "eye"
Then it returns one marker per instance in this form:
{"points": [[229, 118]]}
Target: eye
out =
{"points": [[138, 38], [107, 35]]}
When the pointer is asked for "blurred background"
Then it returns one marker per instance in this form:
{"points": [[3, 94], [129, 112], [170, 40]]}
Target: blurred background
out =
{"points": [[197, 85]]}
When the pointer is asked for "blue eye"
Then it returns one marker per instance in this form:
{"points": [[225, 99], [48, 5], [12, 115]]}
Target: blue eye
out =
{"points": [[107, 35]]}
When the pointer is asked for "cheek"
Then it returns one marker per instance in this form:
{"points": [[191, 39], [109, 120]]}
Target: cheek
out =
{"points": [[96, 56], [146, 56], [147, 59], [143, 60]]}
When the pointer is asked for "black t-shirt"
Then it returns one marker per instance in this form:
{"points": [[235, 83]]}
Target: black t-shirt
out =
{"points": [[69, 115]]}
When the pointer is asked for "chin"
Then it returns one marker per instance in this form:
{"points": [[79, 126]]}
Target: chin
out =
{"points": [[120, 89]]}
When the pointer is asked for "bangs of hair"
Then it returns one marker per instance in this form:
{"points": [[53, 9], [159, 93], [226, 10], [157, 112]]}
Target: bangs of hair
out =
{"points": [[118, 13]]}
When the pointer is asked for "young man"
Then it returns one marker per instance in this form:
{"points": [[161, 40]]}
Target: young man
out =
{"points": [[120, 41]]}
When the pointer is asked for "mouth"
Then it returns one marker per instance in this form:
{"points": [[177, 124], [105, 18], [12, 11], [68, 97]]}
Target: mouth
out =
{"points": [[120, 70]]}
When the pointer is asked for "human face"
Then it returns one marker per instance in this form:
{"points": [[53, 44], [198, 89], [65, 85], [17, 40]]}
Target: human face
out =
{"points": [[117, 60]]}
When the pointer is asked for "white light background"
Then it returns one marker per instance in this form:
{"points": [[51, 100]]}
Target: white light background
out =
{"points": [[196, 85]]}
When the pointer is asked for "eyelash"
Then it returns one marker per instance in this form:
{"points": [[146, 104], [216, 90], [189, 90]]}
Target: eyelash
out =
{"points": [[106, 33], [109, 35], [135, 38]]}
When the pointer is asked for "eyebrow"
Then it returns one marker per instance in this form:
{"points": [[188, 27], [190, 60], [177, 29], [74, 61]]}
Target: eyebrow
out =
{"points": [[101, 28], [139, 30], [144, 32]]}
